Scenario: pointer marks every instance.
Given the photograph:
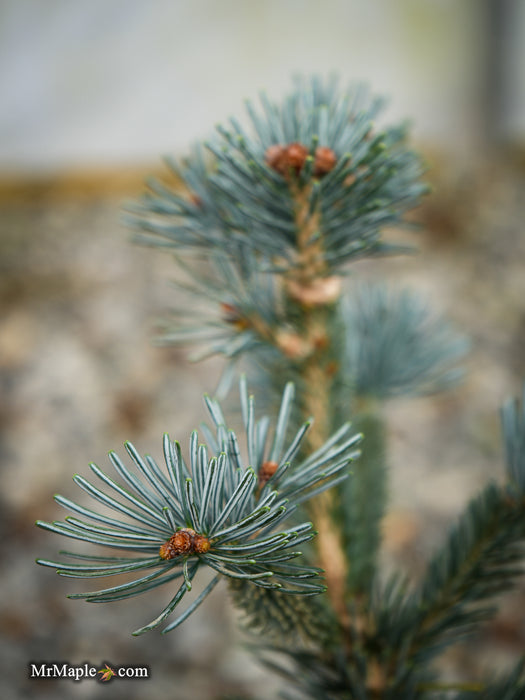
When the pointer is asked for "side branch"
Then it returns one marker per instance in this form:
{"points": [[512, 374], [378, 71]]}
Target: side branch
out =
{"points": [[479, 560]]}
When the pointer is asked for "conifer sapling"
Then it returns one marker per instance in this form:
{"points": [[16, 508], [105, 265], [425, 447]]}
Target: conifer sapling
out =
{"points": [[264, 223]]}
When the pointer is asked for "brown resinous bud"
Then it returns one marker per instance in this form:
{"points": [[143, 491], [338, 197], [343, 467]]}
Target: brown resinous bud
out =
{"points": [[184, 541], [292, 157], [296, 155], [266, 471], [325, 160], [284, 159], [275, 157]]}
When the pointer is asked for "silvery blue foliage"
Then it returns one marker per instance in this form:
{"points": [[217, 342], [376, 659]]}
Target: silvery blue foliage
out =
{"points": [[232, 505], [395, 345], [235, 201]]}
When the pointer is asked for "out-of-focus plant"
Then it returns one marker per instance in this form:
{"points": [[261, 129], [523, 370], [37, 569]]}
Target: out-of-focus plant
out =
{"points": [[265, 228]]}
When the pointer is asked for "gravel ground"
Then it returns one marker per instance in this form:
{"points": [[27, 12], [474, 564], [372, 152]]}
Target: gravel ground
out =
{"points": [[79, 375]]}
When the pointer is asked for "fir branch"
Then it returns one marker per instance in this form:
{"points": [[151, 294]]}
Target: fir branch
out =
{"points": [[280, 617], [479, 560], [316, 673], [235, 198], [395, 346], [240, 312], [216, 513]]}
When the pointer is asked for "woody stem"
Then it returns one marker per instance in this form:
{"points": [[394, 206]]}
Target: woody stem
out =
{"points": [[317, 370]]}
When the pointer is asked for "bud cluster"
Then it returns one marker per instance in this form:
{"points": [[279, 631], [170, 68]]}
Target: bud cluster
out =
{"points": [[184, 541], [292, 157]]}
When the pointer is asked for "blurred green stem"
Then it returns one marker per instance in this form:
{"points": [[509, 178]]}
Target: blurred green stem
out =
{"points": [[363, 500]]}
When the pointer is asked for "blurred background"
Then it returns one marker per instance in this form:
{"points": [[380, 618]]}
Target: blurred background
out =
{"points": [[92, 95]]}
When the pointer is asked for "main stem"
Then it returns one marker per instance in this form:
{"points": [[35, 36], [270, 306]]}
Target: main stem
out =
{"points": [[311, 296], [330, 552], [312, 303]]}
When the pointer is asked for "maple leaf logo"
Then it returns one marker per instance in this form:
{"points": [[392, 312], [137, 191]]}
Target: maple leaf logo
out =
{"points": [[107, 673]]}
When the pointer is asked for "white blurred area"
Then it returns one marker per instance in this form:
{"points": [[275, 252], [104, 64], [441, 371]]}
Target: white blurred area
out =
{"points": [[118, 82]]}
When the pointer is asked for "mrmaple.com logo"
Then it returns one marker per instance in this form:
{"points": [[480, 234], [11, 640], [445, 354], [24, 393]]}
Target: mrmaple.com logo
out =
{"points": [[104, 673]]}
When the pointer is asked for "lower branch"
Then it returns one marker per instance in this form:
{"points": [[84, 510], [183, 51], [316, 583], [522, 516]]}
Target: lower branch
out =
{"points": [[479, 560]]}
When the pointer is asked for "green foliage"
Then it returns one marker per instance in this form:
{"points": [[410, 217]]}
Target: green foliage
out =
{"points": [[278, 617], [482, 557], [513, 428], [362, 505], [314, 674], [479, 560]]}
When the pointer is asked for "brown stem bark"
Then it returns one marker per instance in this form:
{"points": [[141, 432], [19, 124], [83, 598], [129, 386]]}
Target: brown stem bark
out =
{"points": [[317, 375]]}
